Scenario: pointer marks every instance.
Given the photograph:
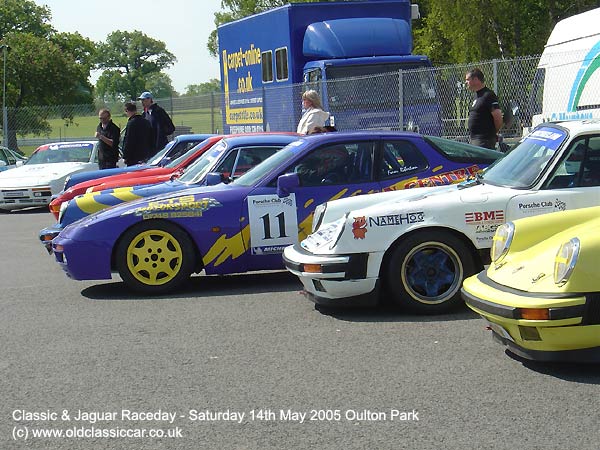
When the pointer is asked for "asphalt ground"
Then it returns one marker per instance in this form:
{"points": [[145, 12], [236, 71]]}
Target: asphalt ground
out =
{"points": [[90, 358]]}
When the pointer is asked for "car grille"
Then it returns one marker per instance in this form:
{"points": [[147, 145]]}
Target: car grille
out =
{"points": [[592, 313]]}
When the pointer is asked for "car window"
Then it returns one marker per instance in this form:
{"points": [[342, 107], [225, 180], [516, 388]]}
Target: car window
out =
{"points": [[250, 157], [226, 167], [401, 158], [181, 148], [580, 165], [461, 151], [65, 153], [3, 156], [336, 164], [11, 157]]}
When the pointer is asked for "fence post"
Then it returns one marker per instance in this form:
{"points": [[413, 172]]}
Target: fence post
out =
{"points": [[212, 112], [495, 71], [401, 99]]}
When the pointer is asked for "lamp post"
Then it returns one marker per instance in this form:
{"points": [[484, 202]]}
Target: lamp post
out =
{"points": [[4, 112]]}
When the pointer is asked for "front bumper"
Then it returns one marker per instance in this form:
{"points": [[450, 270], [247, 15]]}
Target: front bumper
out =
{"points": [[334, 280], [571, 332], [48, 234], [83, 260], [18, 198]]}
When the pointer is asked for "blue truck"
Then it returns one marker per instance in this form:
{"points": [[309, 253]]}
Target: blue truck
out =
{"points": [[268, 59]]}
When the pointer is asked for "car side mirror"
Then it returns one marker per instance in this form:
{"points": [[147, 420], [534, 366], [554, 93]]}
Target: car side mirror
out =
{"points": [[213, 178], [286, 184], [163, 162]]}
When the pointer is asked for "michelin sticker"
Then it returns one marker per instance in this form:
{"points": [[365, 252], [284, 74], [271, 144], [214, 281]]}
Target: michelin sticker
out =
{"points": [[273, 223]]}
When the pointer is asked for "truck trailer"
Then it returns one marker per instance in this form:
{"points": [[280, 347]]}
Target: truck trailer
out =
{"points": [[357, 55]]}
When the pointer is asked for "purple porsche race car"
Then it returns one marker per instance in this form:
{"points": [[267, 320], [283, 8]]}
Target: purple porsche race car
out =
{"points": [[156, 243]]}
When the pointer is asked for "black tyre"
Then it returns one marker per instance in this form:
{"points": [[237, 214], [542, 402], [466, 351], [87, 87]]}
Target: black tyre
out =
{"points": [[425, 272], [155, 257]]}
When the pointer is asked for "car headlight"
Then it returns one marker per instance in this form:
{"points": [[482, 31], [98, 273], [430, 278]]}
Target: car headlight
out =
{"points": [[565, 261], [502, 240], [328, 235], [318, 216], [63, 208]]}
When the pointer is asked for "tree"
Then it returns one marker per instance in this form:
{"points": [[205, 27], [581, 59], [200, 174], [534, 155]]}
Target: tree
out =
{"points": [[462, 31], [193, 90], [129, 60], [43, 68]]}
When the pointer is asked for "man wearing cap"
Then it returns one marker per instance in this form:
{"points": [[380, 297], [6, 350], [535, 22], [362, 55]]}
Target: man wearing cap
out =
{"points": [[159, 119]]}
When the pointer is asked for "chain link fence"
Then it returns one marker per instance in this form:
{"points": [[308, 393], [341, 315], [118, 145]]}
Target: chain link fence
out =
{"points": [[431, 101]]}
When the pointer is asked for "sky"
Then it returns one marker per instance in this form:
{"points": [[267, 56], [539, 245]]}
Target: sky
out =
{"points": [[183, 25]]}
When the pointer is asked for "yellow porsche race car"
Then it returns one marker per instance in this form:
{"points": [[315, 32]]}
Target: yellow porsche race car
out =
{"points": [[541, 293]]}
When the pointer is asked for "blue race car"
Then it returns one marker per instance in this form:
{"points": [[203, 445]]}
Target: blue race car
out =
{"points": [[156, 243], [230, 157]]}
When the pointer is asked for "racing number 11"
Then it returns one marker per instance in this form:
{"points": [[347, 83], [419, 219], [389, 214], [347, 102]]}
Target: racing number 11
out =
{"points": [[267, 225]]}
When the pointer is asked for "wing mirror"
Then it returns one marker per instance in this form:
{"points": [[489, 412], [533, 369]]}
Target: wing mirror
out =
{"points": [[287, 183]]}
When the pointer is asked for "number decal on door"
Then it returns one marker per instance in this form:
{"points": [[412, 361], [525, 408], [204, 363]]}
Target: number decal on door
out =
{"points": [[273, 223]]}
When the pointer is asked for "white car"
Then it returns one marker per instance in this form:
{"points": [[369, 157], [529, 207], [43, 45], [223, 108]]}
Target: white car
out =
{"points": [[416, 247], [9, 159], [44, 173]]}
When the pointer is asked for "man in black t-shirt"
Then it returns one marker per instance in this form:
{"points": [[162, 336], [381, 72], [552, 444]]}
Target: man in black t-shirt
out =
{"points": [[108, 135], [485, 116]]}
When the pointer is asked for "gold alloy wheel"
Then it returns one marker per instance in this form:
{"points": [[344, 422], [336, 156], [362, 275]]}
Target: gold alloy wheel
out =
{"points": [[154, 257]]}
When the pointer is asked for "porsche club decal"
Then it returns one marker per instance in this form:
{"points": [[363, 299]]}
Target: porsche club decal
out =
{"points": [[485, 221], [187, 206], [542, 206]]}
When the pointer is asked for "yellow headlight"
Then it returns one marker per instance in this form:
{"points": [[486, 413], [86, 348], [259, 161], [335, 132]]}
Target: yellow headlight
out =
{"points": [[565, 261]]}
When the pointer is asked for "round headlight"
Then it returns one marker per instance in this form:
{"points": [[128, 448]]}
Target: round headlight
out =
{"points": [[565, 261], [502, 241]]}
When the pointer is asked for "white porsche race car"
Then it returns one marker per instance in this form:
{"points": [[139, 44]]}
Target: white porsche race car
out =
{"points": [[416, 247], [44, 173]]}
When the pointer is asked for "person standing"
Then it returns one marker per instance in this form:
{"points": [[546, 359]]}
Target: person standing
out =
{"points": [[313, 116], [139, 137], [108, 135], [159, 119], [485, 116]]}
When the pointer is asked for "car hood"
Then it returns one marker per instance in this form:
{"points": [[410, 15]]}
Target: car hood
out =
{"points": [[40, 174], [338, 208], [529, 264]]}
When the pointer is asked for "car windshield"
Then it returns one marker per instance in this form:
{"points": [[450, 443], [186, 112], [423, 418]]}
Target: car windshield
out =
{"points": [[75, 152], [526, 162], [256, 174], [204, 164], [177, 161], [160, 155], [461, 151]]}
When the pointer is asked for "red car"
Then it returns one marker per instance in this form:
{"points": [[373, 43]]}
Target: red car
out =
{"points": [[150, 175]]}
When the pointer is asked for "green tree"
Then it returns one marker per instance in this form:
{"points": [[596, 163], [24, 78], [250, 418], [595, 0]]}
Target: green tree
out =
{"points": [[130, 60], [193, 90], [43, 68], [462, 31]]}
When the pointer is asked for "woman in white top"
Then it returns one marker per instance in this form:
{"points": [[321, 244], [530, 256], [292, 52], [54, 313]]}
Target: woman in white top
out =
{"points": [[314, 116]]}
